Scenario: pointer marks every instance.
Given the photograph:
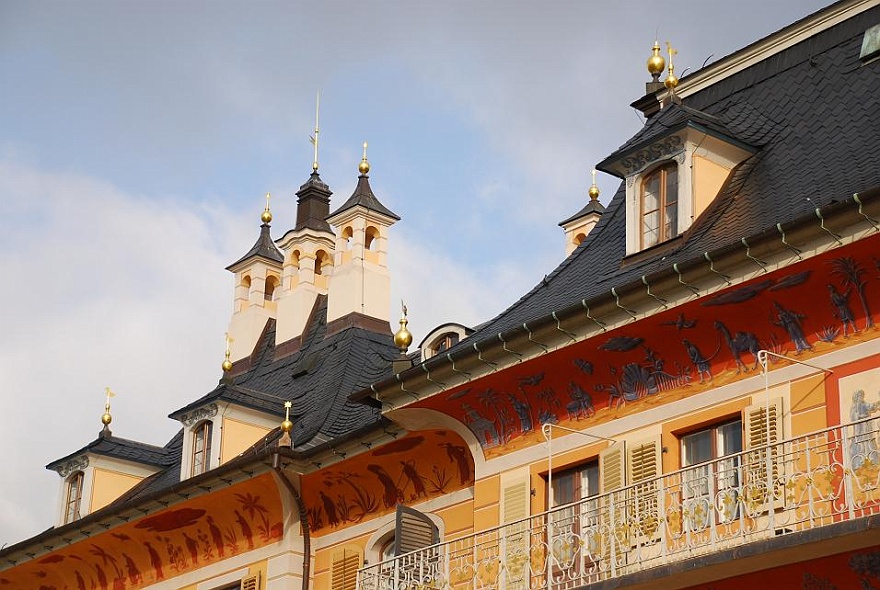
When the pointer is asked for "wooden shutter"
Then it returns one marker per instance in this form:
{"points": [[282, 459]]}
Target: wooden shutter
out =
{"points": [[762, 424], [612, 465], [413, 530], [346, 562], [515, 500], [251, 582], [643, 468]]}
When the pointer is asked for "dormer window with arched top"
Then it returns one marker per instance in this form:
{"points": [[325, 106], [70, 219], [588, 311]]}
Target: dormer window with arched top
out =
{"points": [[73, 499], [201, 448], [674, 168], [659, 205]]}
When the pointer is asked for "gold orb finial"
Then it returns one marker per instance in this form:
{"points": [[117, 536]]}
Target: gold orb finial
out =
{"points": [[656, 63], [266, 217], [594, 189], [106, 418], [226, 365], [403, 337], [364, 166], [287, 425], [671, 81]]}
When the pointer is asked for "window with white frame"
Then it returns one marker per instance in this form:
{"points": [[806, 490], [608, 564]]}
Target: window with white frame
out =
{"points": [[201, 448], [74, 497], [659, 205]]}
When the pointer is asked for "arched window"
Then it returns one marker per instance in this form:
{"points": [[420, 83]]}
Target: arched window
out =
{"points": [[445, 342], [370, 238], [347, 235], [269, 292], [659, 205], [321, 259], [201, 448], [74, 497]]}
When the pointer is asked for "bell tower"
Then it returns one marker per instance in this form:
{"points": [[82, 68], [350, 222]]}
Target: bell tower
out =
{"points": [[361, 283], [257, 287]]}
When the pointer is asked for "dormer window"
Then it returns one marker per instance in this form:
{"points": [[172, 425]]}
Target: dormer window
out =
{"points": [[673, 168], [659, 205], [74, 497], [201, 448]]}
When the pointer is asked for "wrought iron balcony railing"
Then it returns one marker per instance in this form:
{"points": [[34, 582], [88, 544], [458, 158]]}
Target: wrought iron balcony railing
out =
{"points": [[803, 483]]}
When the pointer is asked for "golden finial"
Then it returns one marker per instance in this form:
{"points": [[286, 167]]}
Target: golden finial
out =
{"points": [[314, 138], [227, 364], [106, 418], [594, 190], [403, 338], [266, 217], [656, 63], [286, 427], [364, 166], [671, 81]]}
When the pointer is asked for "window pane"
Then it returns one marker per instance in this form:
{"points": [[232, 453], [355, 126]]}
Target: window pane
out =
{"points": [[696, 448], [563, 488], [651, 229], [729, 438], [590, 480]]}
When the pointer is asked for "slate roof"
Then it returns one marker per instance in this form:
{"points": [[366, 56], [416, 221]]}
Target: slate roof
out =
{"points": [[121, 448], [592, 206], [316, 379], [264, 247], [363, 196], [812, 112]]}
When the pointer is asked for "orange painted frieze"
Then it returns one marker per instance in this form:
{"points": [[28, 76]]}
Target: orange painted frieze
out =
{"points": [[182, 538]]}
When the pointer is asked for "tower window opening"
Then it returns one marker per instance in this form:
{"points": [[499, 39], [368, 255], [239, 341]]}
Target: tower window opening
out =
{"points": [[201, 448], [659, 205], [74, 497]]}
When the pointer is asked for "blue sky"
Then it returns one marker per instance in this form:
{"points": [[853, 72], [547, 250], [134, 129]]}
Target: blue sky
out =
{"points": [[137, 141]]}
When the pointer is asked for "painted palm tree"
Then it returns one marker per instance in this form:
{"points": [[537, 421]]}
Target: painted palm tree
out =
{"points": [[492, 400], [853, 276]]}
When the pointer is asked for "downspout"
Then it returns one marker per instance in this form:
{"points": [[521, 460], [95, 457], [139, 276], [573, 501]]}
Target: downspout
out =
{"points": [[303, 519]]}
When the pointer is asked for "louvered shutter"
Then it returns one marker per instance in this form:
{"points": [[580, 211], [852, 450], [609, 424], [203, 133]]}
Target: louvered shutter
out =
{"points": [[413, 530], [763, 426], [346, 562], [611, 468], [252, 582], [515, 496], [643, 466]]}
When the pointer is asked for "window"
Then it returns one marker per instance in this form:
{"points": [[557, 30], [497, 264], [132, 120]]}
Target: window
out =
{"points": [[659, 204], [269, 292], [713, 481], [575, 530], [74, 497], [446, 342], [201, 448]]}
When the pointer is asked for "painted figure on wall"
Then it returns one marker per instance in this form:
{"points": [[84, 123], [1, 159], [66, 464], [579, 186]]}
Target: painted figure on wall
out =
{"points": [[840, 303], [791, 322], [863, 447]]}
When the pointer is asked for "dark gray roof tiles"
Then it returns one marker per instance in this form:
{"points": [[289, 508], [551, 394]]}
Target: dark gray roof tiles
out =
{"points": [[121, 448], [363, 196], [264, 247], [810, 109]]}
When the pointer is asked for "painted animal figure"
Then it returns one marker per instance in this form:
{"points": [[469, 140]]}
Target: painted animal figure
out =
{"points": [[739, 343], [700, 362], [581, 405], [482, 427]]}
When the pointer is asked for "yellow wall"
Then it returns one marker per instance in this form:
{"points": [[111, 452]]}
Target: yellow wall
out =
{"points": [[238, 436], [108, 485], [708, 177]]}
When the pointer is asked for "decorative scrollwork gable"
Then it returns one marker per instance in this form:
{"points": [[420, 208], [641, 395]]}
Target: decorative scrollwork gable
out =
{"points": [[75, 464], [199, 414]]}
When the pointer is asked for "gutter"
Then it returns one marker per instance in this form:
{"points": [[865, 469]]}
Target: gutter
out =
{"points": [[736, 249]]}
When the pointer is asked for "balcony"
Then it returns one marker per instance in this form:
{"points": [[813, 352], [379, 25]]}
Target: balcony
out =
{"points": [[805, 483]]}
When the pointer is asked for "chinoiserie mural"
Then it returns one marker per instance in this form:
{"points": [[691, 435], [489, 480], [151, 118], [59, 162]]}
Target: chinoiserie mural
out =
{"points": [[413, 468], [851, 570], [816, 306], [182, 538]]}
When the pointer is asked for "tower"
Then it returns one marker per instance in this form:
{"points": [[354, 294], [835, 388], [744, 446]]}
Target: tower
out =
{"points": [[257, 282], [361, 283]]}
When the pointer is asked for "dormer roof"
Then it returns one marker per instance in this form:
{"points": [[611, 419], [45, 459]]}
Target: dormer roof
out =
{"points": [[118, 448], [660, 136]]}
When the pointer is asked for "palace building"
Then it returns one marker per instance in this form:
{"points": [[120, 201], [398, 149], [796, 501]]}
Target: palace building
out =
{"points": [[690, 400]]}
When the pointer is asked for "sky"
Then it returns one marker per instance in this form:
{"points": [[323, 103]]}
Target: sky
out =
{"points": [[138, 139]]}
